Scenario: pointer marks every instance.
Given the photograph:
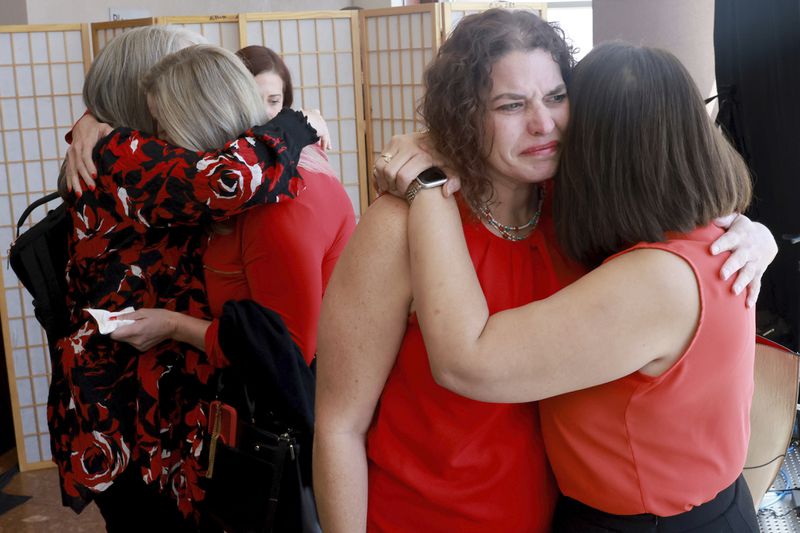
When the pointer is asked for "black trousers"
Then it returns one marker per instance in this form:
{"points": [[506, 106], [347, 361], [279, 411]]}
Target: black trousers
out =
{"points": [[129, 505], [732, 511]]}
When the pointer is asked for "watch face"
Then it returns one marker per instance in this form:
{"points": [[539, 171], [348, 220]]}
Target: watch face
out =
{"points": [[432, 177]]}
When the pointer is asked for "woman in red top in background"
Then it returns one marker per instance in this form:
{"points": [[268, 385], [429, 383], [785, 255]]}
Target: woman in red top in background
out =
{"points": [[282, 258], [647, 360]]}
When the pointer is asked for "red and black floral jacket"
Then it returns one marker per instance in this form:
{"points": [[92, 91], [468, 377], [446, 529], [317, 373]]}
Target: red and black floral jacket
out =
{"points": [[138, 241]]}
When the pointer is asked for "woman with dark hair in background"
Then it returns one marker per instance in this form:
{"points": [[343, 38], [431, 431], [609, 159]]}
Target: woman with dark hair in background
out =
{"points": [[275, 86], [271, 74]]}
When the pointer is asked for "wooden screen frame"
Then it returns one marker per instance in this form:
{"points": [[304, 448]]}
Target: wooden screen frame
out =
{"points": [[358, 78], [97, 27], [236, 18], [24, 463], [435, 12]]}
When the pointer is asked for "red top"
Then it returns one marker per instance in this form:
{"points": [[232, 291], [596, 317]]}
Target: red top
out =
{"points": [[664, 444], [283, 256], [439, 462]]}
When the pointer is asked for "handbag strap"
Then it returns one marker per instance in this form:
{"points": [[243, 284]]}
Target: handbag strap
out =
{"points": [[43, 200], [308, 505], [49, 304], [275, 489]]}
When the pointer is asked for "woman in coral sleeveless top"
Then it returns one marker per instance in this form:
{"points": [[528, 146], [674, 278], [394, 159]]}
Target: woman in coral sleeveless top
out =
{"points": [[394, 451], [651, 352]]}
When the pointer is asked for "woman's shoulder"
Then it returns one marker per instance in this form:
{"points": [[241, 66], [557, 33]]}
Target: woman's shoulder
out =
{"points": [[383, 227], [386, 209]]}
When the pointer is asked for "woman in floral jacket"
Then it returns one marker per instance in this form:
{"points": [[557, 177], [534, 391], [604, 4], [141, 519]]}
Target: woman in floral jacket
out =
{"points": [[121, 421]]}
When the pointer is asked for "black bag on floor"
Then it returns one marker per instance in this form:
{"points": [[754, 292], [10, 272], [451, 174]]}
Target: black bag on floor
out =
{"points": [[39, 258], [261, 428]]}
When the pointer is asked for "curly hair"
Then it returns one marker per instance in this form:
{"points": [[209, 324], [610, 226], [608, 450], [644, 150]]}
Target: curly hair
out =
{"points": [[458, 83]]}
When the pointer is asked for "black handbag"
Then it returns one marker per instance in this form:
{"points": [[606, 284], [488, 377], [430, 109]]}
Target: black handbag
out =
{"points": [[39, 258], [259, 470], [256, 486]]}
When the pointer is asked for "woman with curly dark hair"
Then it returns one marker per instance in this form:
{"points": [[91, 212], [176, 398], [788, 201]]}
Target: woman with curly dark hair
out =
{"points": [[393, 450]]}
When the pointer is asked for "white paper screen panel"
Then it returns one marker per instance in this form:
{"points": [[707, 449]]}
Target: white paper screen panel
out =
{"points": [[221, 30], [41, 79], [398, 42], [321, 52]]}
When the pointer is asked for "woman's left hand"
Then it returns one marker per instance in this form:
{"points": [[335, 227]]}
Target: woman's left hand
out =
{"points": [[752, 248], [316, 121], [151, 327]]}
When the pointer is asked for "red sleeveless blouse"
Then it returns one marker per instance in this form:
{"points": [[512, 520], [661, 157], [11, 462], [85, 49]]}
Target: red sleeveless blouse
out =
{"points": [[439, 462]]}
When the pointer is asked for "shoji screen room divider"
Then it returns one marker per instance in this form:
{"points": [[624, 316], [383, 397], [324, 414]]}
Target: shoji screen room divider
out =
{"points": [[41, 78], [362, 69]]}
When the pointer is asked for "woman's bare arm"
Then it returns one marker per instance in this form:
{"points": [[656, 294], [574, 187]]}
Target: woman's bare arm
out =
{"points": [[363, 320], [636, 312]]}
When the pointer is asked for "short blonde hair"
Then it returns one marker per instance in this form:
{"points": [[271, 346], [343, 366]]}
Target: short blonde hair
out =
{"points": [[112, 92], [203, 97]]}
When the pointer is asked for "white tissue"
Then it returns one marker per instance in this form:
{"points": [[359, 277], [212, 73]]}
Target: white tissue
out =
{"points": [[104, 324]]}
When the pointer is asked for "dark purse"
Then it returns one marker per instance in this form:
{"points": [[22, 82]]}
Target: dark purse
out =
{"points": [[258, 476], [38, 257], [256, 485]]}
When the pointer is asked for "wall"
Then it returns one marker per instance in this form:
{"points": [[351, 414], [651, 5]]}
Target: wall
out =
{"points": [[371, 4], [52, 11], [684, 27], [576, 21], [13, 12]]}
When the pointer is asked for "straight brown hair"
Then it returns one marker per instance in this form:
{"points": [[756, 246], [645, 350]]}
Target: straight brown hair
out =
{"points": [[641, 156], [260, 59]]}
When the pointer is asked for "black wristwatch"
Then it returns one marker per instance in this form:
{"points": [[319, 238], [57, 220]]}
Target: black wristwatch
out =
{"points": [[427, 179]]}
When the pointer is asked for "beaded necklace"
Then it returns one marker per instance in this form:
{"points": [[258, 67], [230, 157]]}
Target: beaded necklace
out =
{"points": [[512, 233]]}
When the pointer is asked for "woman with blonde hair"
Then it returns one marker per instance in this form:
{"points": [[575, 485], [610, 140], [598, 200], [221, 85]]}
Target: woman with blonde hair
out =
{"points": [[202, 77], [127, 428], [279, 256], [258, 255]]}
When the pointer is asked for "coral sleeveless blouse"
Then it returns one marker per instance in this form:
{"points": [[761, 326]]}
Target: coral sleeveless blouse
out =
{"points": [[665, 444], [439, 462]]}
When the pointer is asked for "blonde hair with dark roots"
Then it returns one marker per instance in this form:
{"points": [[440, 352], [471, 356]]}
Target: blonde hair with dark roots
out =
{"points": [[203, 97], [459, 81]]}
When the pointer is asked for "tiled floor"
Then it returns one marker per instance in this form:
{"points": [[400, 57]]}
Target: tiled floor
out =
{"points": [[43, 513]]}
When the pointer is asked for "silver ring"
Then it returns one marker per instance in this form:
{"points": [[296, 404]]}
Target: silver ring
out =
{"points": [[387, 158]]}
